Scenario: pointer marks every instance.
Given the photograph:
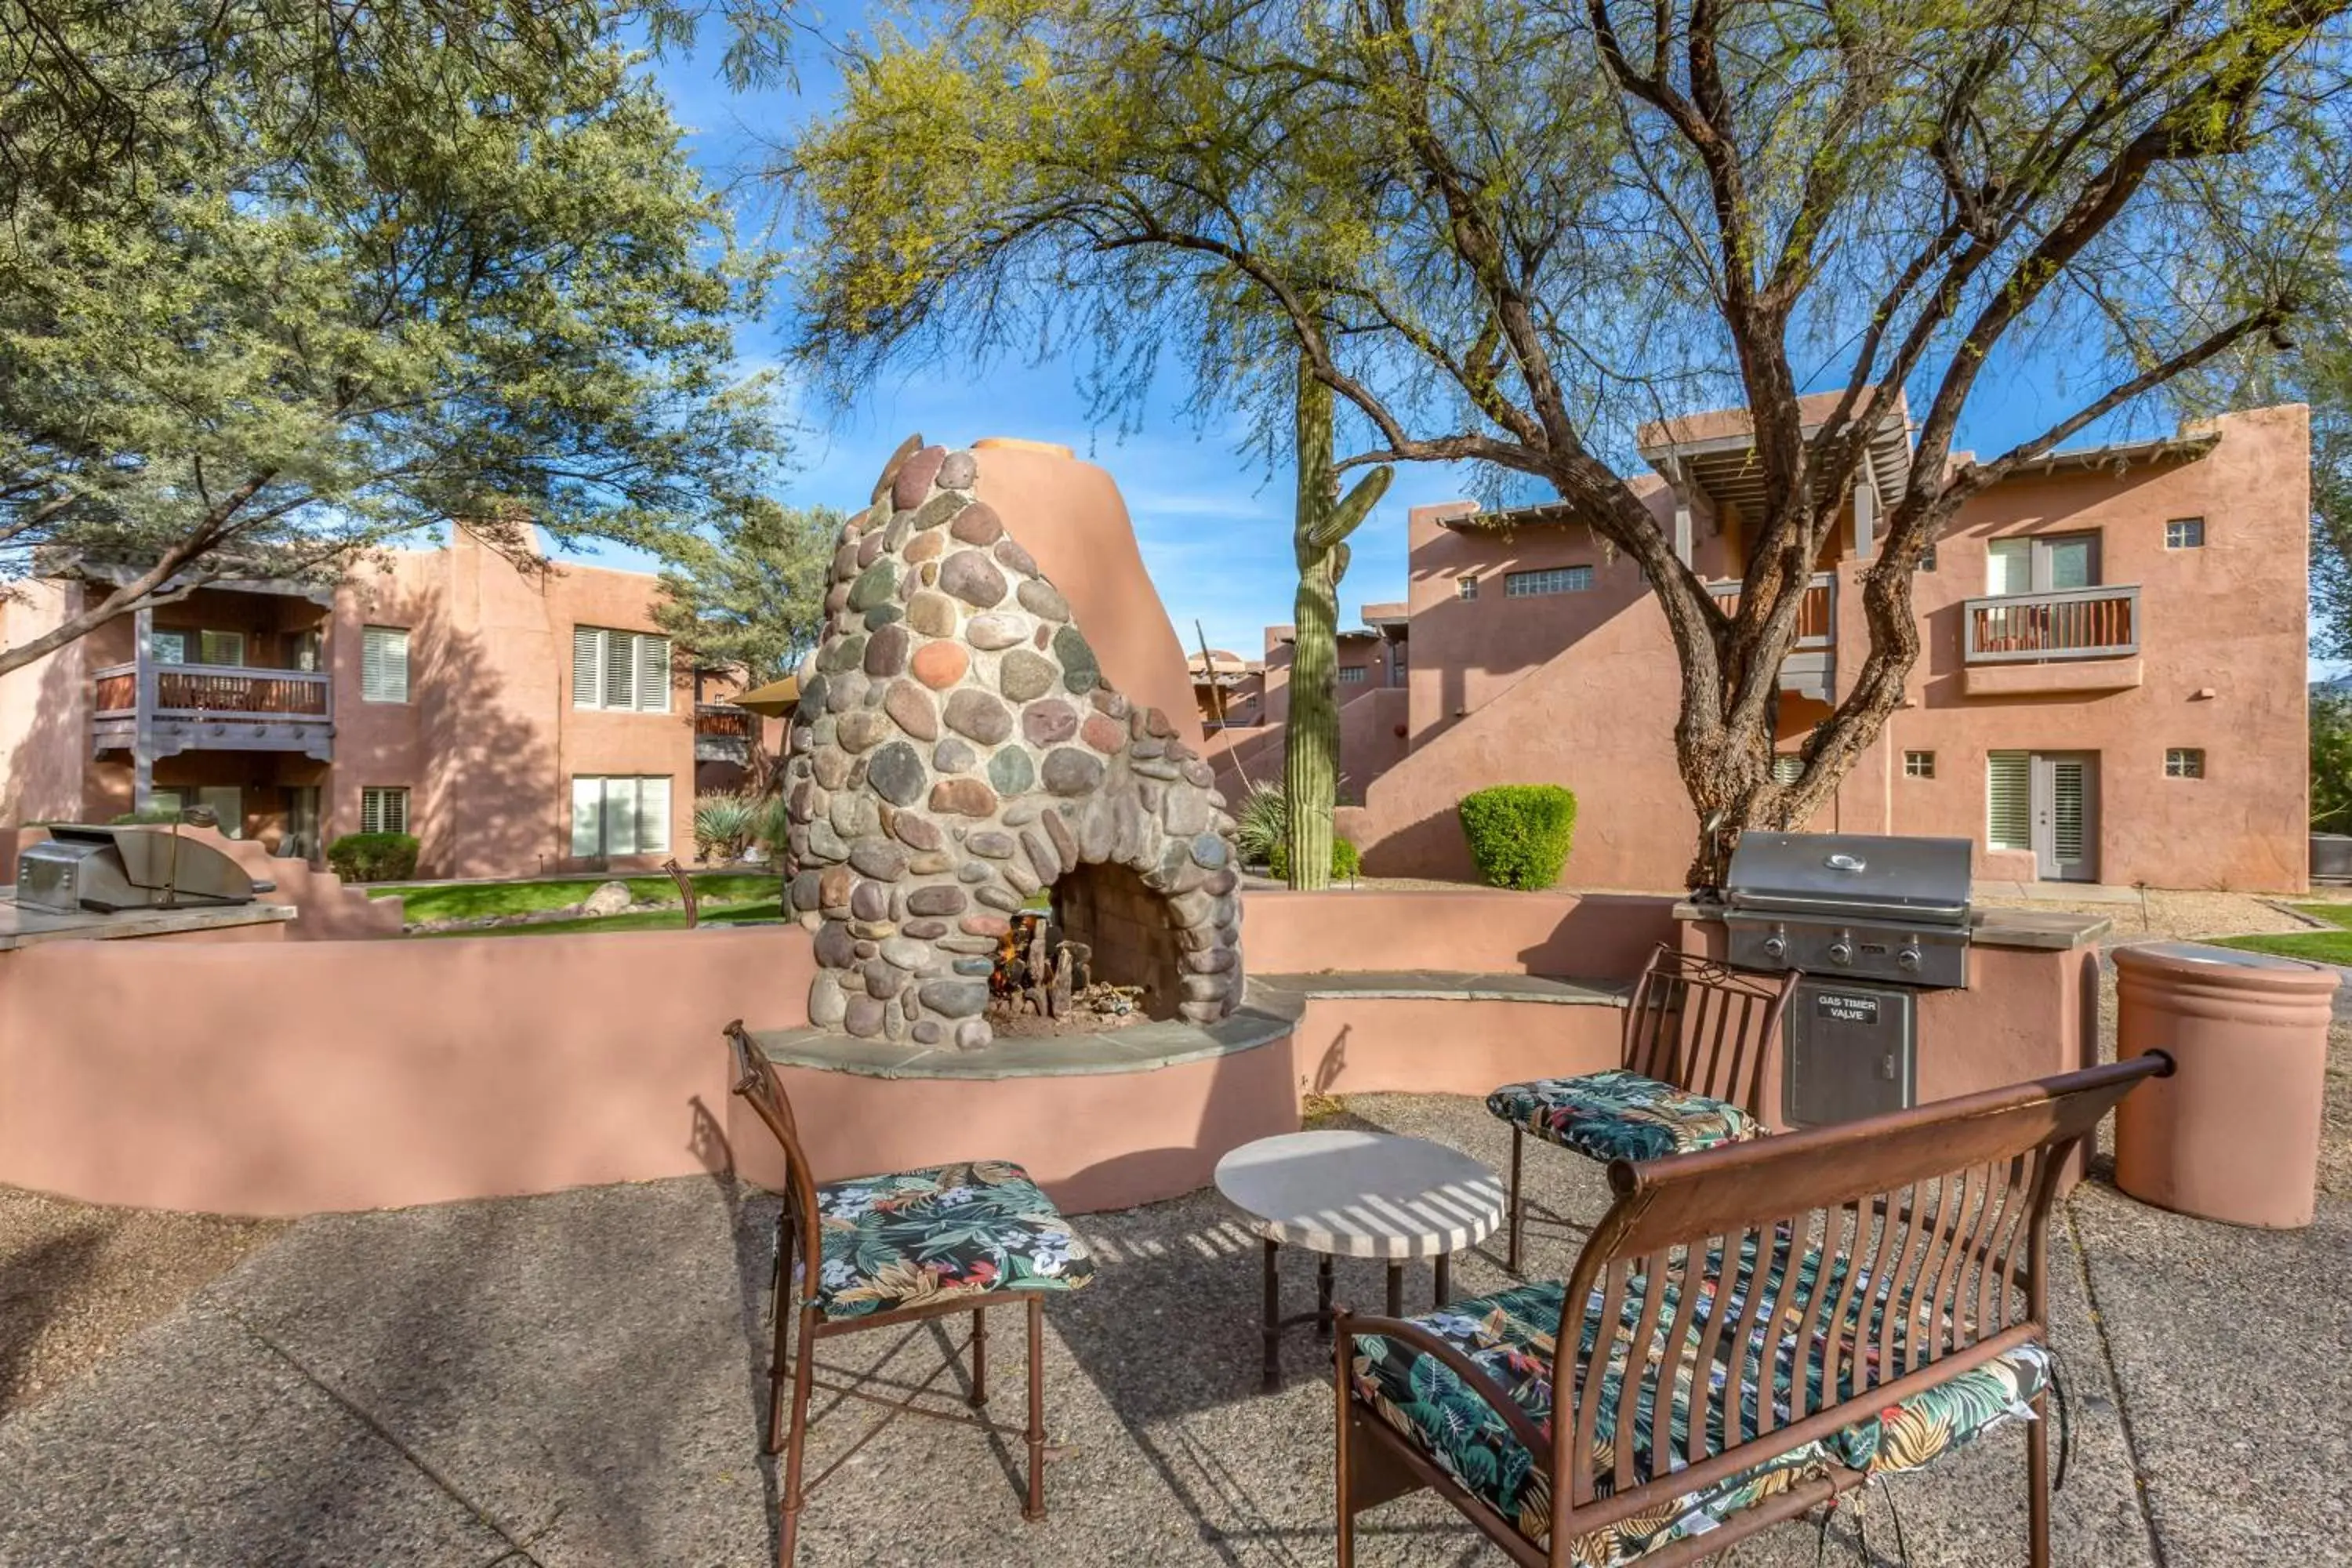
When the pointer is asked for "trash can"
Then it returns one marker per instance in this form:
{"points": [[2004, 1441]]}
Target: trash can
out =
{"points": [[2233, 1133]]}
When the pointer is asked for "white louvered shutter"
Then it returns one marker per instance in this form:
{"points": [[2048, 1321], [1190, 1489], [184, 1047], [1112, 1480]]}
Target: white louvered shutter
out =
{"points": [[2066, 812], [653, 673], [384, 664], [652, 816], [2008, 800], [370, 811], [587, 668], [620, 670], [587, 817]]}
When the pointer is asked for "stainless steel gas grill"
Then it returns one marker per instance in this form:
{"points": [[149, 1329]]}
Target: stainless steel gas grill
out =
{"points": [[109, 869], [1870, 922]]}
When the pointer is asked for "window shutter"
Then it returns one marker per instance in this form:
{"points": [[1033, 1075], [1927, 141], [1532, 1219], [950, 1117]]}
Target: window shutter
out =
{"points": [[587, 669], [396, 811], [620, 670], [652, 816], [2009, 566], [396, 668], [384, 664], [372, 681], [587, 817], [370, 811], [653, 673], [2067, 811], [2009, 801], [1787, 768]]}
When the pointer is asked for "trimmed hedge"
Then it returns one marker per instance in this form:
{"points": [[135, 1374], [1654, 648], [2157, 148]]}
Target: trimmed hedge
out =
{"points": [[374, 856], [1519, 834], [1346, 864]]}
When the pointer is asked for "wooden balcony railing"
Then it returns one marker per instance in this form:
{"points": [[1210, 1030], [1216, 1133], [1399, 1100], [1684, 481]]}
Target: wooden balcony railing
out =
{"points": [[2066, 623], [1816, 616], [212, 691], [723, 720]]}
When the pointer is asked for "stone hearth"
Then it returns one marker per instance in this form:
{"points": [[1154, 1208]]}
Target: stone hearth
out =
{"points": [[957, 748]]}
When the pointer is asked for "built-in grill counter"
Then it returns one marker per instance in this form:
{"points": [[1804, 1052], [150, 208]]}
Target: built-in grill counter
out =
{"points": [[108, 882], [1907, 993]]}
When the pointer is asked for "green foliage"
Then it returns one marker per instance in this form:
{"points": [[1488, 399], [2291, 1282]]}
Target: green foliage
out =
{"points": [[480, 283], [772, 832], [487, 900], [1346, 864], [724, 824], [374, 856], [1519, 834], [148, 814], [2331, 761], [749, 597]]}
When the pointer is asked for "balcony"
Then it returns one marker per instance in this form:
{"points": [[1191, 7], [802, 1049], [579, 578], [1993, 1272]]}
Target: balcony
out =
{"points": [[1813, 658], [161, 709], [2063, 639], [724, 732]]}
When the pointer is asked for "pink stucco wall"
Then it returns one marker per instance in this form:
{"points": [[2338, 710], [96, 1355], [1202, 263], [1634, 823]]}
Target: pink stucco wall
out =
{"points": [[1581, 688]]}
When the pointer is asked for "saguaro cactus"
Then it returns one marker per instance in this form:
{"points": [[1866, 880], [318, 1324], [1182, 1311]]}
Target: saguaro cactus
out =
{"points": [[1310, 763]]}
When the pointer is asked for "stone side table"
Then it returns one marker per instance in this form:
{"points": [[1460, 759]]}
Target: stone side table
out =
{"points": [[1357, 1194]]}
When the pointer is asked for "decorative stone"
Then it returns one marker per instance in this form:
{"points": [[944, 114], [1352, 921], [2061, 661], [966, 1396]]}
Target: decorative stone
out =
{"points": [[1024, 881], [973, 713], [1106, 700], [845, 654], [1212, 961], [918, 833], [1065, 845], [958, 471], [971, 577], [1011, 771], [973, 944], [1023, 675], [1197, 774], [897, 773], [982, 967], [879, 858], [977, 525], [931, 863], [833, 945], [1041, 854], [876, 583], [1210, 852], [866, 551], [1043, 600], [1048, 722], [953, 755], [1079, 671], [862, 730], [844, 692], [973, 1035], [827, 1005], [870, 901], [954, 998], [898, 461], [995, 631], [972, 872], [935, 511], [913, 480], [869, 932], [939, 665], [1185, 814], [927, 1031], [886, 651], [1160, 770], [862, 1016], [881, 980], [881, 615], [906, 952], [824, 843], [836, 598], [808, 891], [911, 709], [923, 547], [1223, 882], [935, 901], [990, 842], [1004, 899], [1070, 772], [933, 615], [1021, 813], [963, 797], [1009, 553]]}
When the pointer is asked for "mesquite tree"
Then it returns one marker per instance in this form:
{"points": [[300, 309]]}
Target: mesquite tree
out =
{"points": [[1310, 754], [1511, 234]]}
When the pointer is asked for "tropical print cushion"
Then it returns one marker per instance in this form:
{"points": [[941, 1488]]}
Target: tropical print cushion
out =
{"points": [[1509, 1336], [919, 1236], [1621, 1115]]}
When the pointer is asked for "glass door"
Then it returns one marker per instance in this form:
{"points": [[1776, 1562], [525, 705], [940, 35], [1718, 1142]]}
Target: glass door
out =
{"points": [[2065, 815]]}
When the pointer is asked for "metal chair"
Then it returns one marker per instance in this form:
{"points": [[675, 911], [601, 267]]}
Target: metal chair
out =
{"points": [[1697, 1036], [876, 1251]]}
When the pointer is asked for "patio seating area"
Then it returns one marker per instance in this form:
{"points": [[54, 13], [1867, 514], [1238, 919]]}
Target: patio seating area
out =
{"points": [[581, 1379]]}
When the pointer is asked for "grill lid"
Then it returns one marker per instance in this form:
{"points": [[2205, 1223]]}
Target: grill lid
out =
{"points": [[1861, 874]]}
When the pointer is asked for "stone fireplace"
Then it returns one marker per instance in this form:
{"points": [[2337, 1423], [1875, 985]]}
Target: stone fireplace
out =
{"points": [[957, 749]]}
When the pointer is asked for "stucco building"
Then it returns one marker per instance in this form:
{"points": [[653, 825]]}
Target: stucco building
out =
{"points": [[516, 720], [2112, 687]]}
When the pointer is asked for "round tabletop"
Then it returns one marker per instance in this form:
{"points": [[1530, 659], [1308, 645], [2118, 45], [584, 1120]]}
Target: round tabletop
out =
{"points": [[1363, 1194]]}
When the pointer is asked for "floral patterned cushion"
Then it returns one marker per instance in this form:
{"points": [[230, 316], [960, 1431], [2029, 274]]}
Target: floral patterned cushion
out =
{"points": [[1621, 1115], [1509, 1336], [919, 1236]]}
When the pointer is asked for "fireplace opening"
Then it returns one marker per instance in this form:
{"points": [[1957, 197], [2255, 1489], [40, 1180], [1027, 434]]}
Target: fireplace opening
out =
{"points": [[1104, 956]]}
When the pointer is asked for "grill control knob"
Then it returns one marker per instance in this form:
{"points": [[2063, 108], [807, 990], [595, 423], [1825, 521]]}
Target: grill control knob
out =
{"points": [[1777, 944], [1842, 950], [1908, 959]]}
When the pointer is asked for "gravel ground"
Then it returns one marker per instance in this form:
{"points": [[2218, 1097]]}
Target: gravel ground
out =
{"points": [[2167, 912], [76, 1279]]}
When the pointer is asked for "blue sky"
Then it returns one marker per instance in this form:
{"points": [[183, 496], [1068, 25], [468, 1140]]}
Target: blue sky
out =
{"points": [[1214, 527]]}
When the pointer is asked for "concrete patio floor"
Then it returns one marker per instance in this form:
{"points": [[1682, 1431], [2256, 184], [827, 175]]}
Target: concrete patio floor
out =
{"points": [[576, 1380]]}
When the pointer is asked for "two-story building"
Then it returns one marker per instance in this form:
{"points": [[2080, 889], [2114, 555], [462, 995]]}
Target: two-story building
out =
{"points": [[516, 720], [2112, 686]]}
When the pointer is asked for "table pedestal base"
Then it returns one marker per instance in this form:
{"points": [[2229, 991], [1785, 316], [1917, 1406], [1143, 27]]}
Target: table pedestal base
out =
{"points": [[1275, 1323]]}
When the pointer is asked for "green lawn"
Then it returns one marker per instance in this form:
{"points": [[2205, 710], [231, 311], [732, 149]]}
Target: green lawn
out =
{"points": [[673, 919], [481, 900], [2332, 945]]}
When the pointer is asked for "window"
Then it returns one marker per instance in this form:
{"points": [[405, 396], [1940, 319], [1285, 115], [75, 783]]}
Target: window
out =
{"points": [[1919, 764], [1354, 674], [620, 669], [384, 810], [167, 648], [2042, 564], [2008, 800], [1928, 562], [2184, 763], [1550, 580], [220, 648], [1466, 586], [384, 664], [160, 799], [2185, 534], [1787, 768], [619, 816]]}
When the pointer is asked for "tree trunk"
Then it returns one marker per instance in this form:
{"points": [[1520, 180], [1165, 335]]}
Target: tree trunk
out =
{"points": [[1310, 761]]}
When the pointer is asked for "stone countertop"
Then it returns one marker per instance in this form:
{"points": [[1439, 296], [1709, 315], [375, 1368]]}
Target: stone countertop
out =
{"points": [[2055, 929], [21, 927]]}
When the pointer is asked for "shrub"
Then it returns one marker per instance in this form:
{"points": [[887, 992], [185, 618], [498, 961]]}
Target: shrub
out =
{"points": [[1262, 825], [148, 814], [724, 822], [1519, 834], [374, 856], [1346, 864]]}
